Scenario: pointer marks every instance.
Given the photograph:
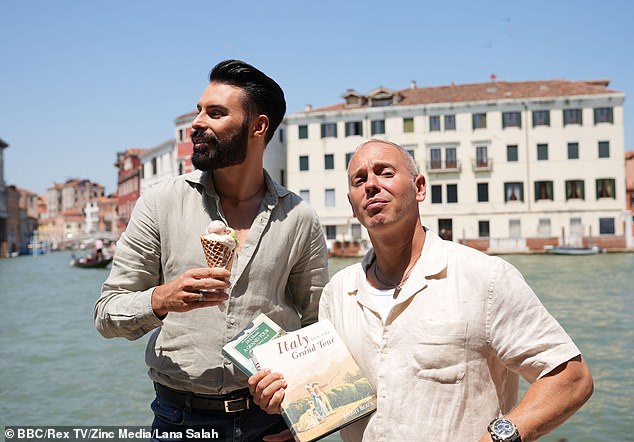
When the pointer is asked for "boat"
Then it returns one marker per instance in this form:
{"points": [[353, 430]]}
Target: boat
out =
{"points": [[88, 262], [567, 250]]}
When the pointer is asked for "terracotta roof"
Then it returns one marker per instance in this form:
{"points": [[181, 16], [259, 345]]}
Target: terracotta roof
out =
{"points": [[495, 90]]}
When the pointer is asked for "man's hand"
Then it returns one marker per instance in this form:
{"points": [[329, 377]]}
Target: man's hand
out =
{"points": [[184, 293], [267, 390]]}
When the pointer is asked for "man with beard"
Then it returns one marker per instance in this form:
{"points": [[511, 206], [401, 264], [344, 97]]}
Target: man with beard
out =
{"points": [[159, 282]]}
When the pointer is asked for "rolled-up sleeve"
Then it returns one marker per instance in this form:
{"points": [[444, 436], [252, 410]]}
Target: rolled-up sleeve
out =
{"points": [[523, 334]]}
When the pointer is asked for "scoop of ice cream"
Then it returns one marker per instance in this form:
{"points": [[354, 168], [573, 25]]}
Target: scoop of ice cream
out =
{"points": [[218, 231]]}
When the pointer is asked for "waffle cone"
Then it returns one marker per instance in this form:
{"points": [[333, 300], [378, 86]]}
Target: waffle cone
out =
{"points": [[217, 254]]}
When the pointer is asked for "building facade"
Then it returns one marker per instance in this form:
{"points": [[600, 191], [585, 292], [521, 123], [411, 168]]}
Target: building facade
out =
{"points": [[128, 184], [629, 183], [510, 166], [4, 213], [158, 164]]}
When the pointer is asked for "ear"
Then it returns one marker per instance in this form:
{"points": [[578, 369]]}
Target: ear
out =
{"points": [[421, 188], [351, 206], [260, 126]]}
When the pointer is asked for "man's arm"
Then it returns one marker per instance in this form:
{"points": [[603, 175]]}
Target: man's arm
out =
{"points": [[309, 275], [134, 300], [551, 400]]}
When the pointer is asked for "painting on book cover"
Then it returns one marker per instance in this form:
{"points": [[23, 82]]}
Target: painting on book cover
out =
{"points": [[326, 389]]}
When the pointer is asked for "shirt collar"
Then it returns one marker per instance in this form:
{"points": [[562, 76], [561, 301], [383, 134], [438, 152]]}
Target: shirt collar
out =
{"points": [[274, 191], [433, 259]]}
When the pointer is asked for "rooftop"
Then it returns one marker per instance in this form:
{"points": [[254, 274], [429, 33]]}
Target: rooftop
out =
{"points": [[455, 93]]}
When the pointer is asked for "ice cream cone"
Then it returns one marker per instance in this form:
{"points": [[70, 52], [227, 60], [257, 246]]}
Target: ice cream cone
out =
{"points": [[217, 254]]}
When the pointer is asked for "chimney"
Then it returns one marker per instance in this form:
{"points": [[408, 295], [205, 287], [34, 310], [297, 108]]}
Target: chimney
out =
{"points": [[412, 85], [308, 108]]}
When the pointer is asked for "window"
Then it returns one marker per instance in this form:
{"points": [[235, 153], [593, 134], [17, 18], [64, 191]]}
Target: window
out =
{"points": [[154, 166], [543, 228], [543, 190], [305, 195], [513, 192], [604, 149], [541, 118], [452, 193], [348, 158], [181, 134], [605, 188], [377, 127], [355, 231], [436, 194], [511, 153], [408, 125], [436, 155], [329, 130], [603, 115], [450, 122], [483, 229], [329, 161], [515, 228], [576, 228], [606, 226], [482, 158], [451, 159], [434, 123], [302, 131], [573, 151], [281, 135], [483, 192], [511, 119], [330, 198], [354, 128], [542, 152], [303, 162], [331, 232], [575, 190], [572, 116], [479, 121]]}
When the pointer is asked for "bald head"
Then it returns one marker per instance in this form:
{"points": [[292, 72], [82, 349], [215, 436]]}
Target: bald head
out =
{"points": [[412, 168]]}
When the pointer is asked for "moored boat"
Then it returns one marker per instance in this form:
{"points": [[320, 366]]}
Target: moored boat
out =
{"points": [[566, 250]]}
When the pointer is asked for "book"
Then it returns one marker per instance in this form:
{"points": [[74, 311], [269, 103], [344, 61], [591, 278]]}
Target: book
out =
{"points": [[238, 350], [326, 389]]}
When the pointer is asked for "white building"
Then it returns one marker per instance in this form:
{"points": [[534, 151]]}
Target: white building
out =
{"points": [[510, 166], [158, 164]]}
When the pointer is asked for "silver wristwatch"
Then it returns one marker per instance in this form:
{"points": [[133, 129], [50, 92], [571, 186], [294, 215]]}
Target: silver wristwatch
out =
{"points": [[503, 430]]}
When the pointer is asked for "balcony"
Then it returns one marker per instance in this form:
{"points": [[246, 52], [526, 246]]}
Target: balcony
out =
{"points": [[434, 166], [482, 165]]}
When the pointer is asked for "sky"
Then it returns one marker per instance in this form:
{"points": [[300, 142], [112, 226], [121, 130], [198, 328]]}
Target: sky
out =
{"points": [[82, 80]]}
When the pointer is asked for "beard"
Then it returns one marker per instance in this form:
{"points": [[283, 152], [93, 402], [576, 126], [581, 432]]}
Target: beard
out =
{"points": [[221, 153]]}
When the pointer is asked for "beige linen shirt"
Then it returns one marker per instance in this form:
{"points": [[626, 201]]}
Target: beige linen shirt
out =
{"points": [[447, 360], [281, 271]]}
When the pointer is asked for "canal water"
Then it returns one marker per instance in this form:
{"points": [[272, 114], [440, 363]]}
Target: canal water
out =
{"points": [[55, 369]]}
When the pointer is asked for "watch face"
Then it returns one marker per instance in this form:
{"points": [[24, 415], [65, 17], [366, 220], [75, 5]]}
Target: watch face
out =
{"points": [[504, 428]]}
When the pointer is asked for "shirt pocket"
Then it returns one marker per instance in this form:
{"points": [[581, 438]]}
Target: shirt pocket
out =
{"points": [[439, 351]]}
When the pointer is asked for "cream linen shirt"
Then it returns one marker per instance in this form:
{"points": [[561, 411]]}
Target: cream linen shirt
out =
{"points": [[281, 271], [447, 360]]}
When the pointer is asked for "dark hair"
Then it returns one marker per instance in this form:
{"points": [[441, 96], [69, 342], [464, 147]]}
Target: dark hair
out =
{"points": [[263, 96]]}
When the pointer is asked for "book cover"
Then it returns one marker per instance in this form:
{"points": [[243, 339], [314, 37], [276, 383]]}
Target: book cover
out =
{"points": [[238, 350], [326, 388]]}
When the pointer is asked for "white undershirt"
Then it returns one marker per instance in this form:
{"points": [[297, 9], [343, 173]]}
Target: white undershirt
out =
{"points": [[382, 300]]}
